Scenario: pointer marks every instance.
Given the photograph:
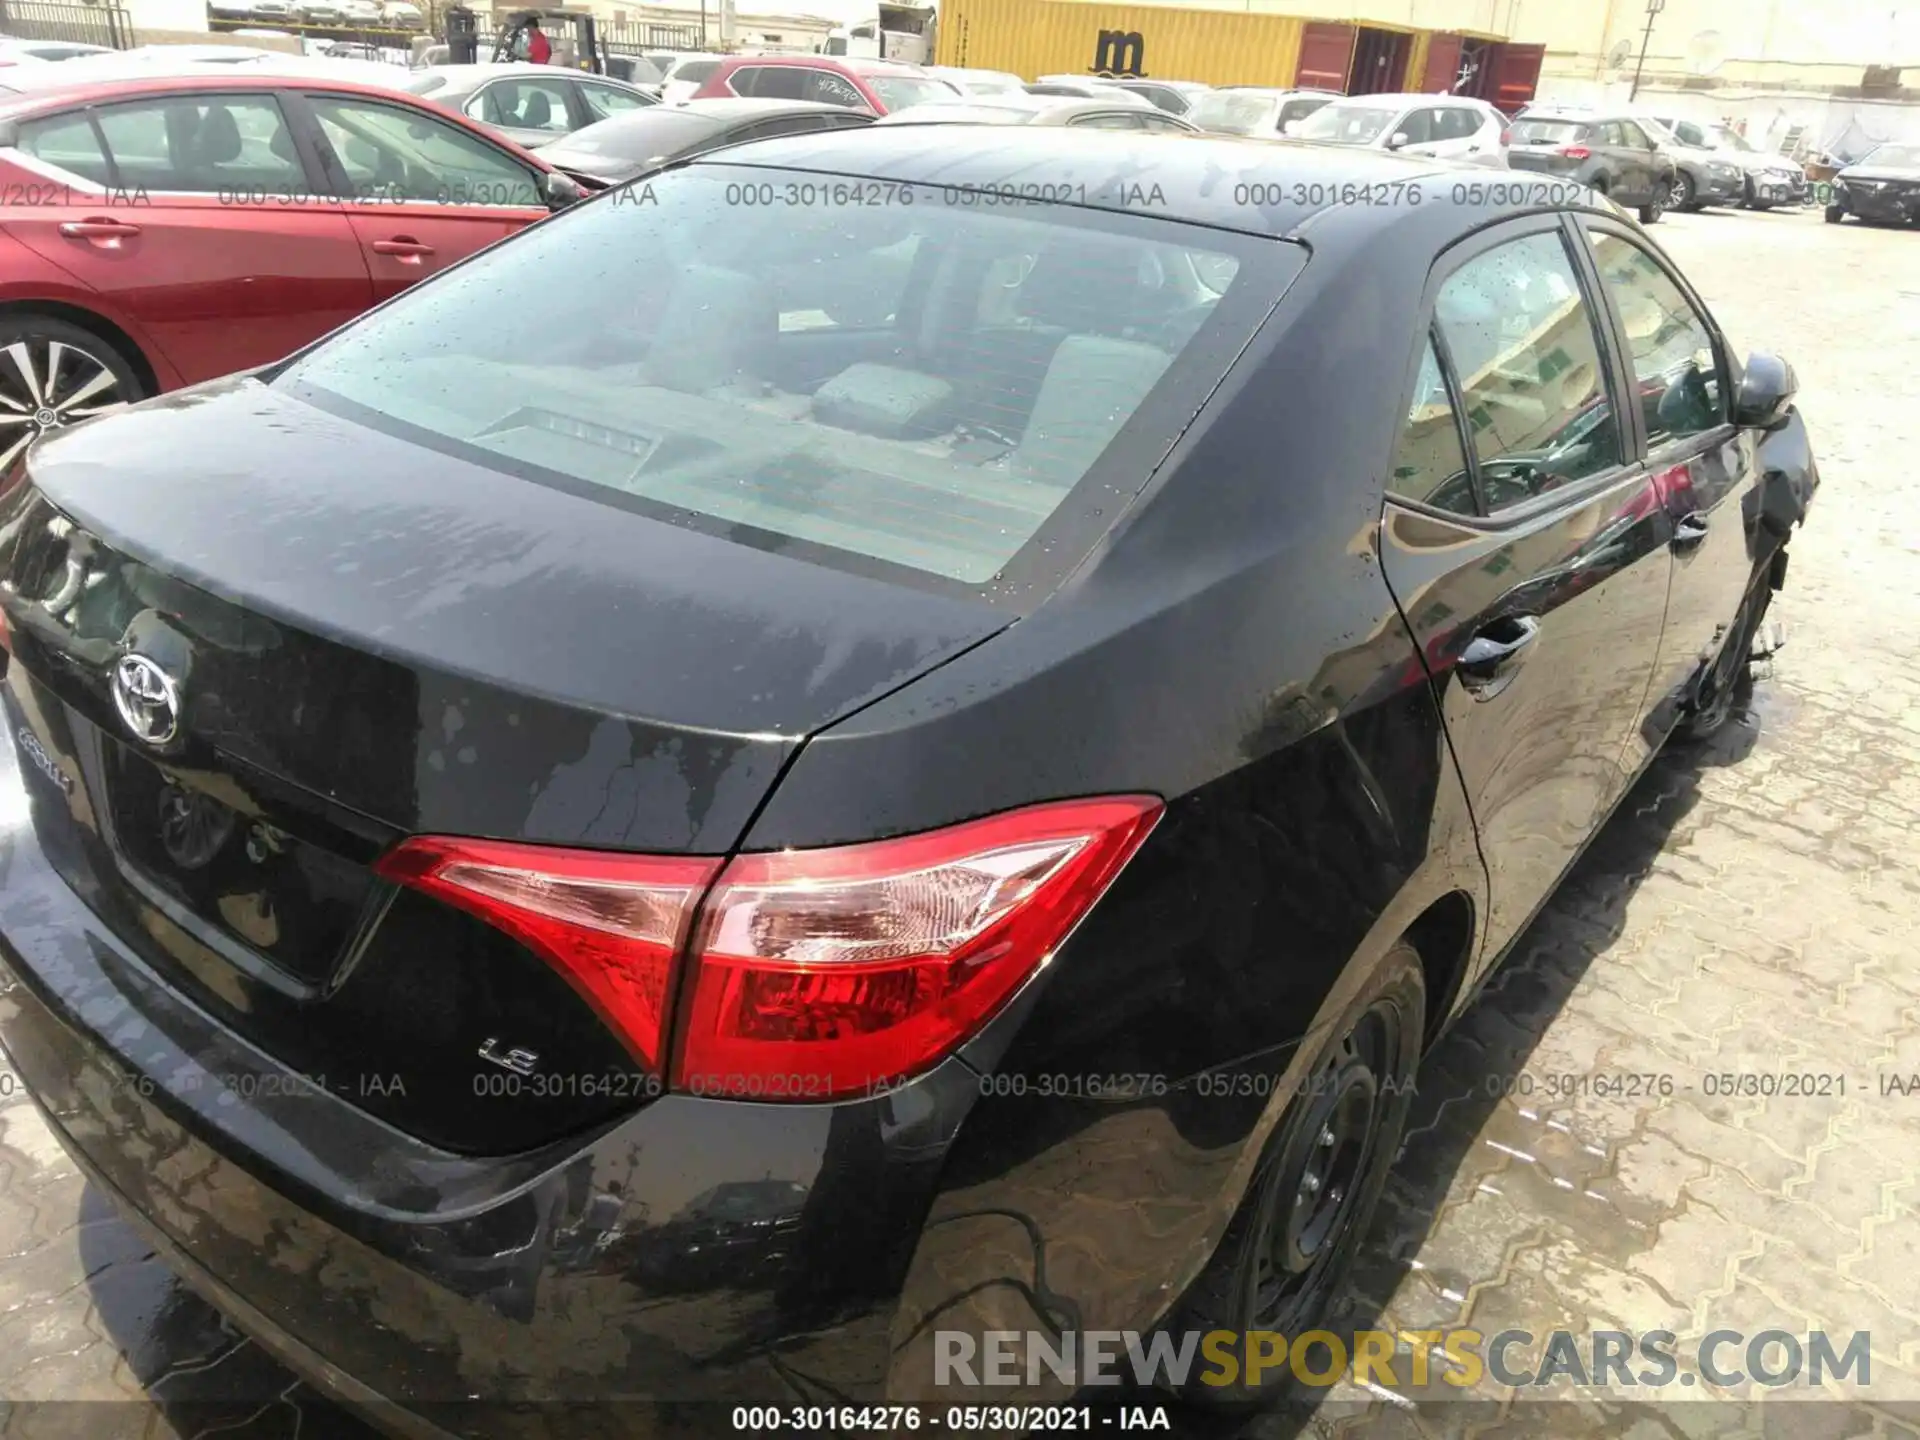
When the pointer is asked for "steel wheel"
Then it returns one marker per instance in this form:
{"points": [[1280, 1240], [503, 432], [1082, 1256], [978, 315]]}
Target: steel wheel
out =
{"points": [[52, 375], [1293, 1240], [1317, 1184]]}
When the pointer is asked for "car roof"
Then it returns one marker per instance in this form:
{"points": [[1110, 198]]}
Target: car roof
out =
{"points": [[729, 108], [853, 64], [1406, 98], [1021, 108], [462, 75], [1204, 179], [128, 87]]}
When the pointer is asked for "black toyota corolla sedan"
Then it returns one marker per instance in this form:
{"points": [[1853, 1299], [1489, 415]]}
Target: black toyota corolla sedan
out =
{"points": [[918, 749]]}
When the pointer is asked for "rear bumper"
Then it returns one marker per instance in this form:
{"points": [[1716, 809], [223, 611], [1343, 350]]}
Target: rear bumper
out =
{"points": [[403, 1279], [1711, 189], [1772, 190]]}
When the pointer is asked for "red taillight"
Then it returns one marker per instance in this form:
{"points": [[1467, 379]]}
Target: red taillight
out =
{"points": [[821, 972], [1575, 152], [813, 973], [1506, 137], [611, 924]]}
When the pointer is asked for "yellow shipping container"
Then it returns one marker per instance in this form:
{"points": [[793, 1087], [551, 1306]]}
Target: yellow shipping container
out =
{"points": [[1032, 38]]}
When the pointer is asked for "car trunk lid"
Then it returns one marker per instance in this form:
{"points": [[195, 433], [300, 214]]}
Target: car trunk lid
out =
{"points": [[364, 640]]}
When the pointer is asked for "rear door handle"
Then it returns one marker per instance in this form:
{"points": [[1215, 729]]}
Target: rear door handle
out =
{"points": [[1691, 530], [94, 229], [1488, 663], [404, 246]]}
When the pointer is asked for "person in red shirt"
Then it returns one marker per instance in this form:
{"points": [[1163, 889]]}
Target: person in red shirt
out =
{"points": [[539, 48]]}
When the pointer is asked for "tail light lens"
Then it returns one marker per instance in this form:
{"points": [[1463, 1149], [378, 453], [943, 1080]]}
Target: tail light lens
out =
{"points": [[814, 974], [1575, 152], [818, 973], [1506, 136], [611, 924]]}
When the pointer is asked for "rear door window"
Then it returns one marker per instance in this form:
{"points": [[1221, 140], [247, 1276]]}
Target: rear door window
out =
{"points": [[69, 143], [915, 390], [203, 145], [1527, 358]]}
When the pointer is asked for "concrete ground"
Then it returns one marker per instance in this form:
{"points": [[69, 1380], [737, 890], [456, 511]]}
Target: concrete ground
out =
{"points": [[1750, 911]]}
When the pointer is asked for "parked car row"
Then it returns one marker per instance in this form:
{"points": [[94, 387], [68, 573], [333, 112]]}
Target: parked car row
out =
{"points": [[388, 14], [727, 781]]}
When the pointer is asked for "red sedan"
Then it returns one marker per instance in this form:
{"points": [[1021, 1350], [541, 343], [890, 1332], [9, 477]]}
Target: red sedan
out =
{"points": [[881, 86], [160, 231]]}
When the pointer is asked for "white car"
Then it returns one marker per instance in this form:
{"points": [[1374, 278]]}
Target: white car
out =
{"points": [[403, 15], [360, 12], [978, 82], [1077, 87], [1446, 127], [688, 74]]}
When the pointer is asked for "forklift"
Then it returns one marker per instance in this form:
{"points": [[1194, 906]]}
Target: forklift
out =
{"points": [[573, 34]]}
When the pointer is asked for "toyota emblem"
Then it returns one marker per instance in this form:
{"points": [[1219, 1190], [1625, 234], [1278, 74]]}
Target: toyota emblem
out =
{"points": [[147, 699]]}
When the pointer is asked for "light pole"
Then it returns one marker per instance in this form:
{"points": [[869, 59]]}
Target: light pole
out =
{"points": [[1654, 7]]}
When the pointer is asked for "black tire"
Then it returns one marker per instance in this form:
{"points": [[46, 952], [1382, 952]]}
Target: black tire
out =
{"points": [[1686, 195], [1368, 1062], [1835, 214], [1726, 680], [65, 384], [1651, 212]]}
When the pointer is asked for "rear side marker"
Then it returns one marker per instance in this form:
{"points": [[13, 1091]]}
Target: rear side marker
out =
{"points": [[810, 974]]}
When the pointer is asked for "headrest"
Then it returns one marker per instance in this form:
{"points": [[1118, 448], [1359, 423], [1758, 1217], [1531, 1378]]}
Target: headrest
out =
{"points": [[218, 139]]}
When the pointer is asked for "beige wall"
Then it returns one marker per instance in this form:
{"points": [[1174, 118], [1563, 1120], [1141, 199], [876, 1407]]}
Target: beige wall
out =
{"points": [[1781, 42]]}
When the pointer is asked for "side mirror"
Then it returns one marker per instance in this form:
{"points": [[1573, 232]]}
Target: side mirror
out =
{"points": [[1399, 139], [1767, 388], [560, 191]]}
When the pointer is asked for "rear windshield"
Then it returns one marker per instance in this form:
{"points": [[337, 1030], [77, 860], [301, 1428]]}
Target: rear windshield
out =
{"points": [[693, 71], [1234, 114], [657, 132], [900, 92], [910, 389], [1547, 132]]}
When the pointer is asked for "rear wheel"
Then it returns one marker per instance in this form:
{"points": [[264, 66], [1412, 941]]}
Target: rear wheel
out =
{"points": [[1655, 207], [1835, 214], [53, 374], [1289, 1249]]}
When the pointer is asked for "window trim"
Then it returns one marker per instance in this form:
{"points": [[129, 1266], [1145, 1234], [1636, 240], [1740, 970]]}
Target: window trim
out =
{"points": [[1457, 254], [1668, 450]]}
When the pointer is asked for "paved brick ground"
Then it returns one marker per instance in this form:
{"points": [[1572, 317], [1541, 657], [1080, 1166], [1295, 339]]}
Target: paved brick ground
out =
{"points": [[1750, 910]]}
